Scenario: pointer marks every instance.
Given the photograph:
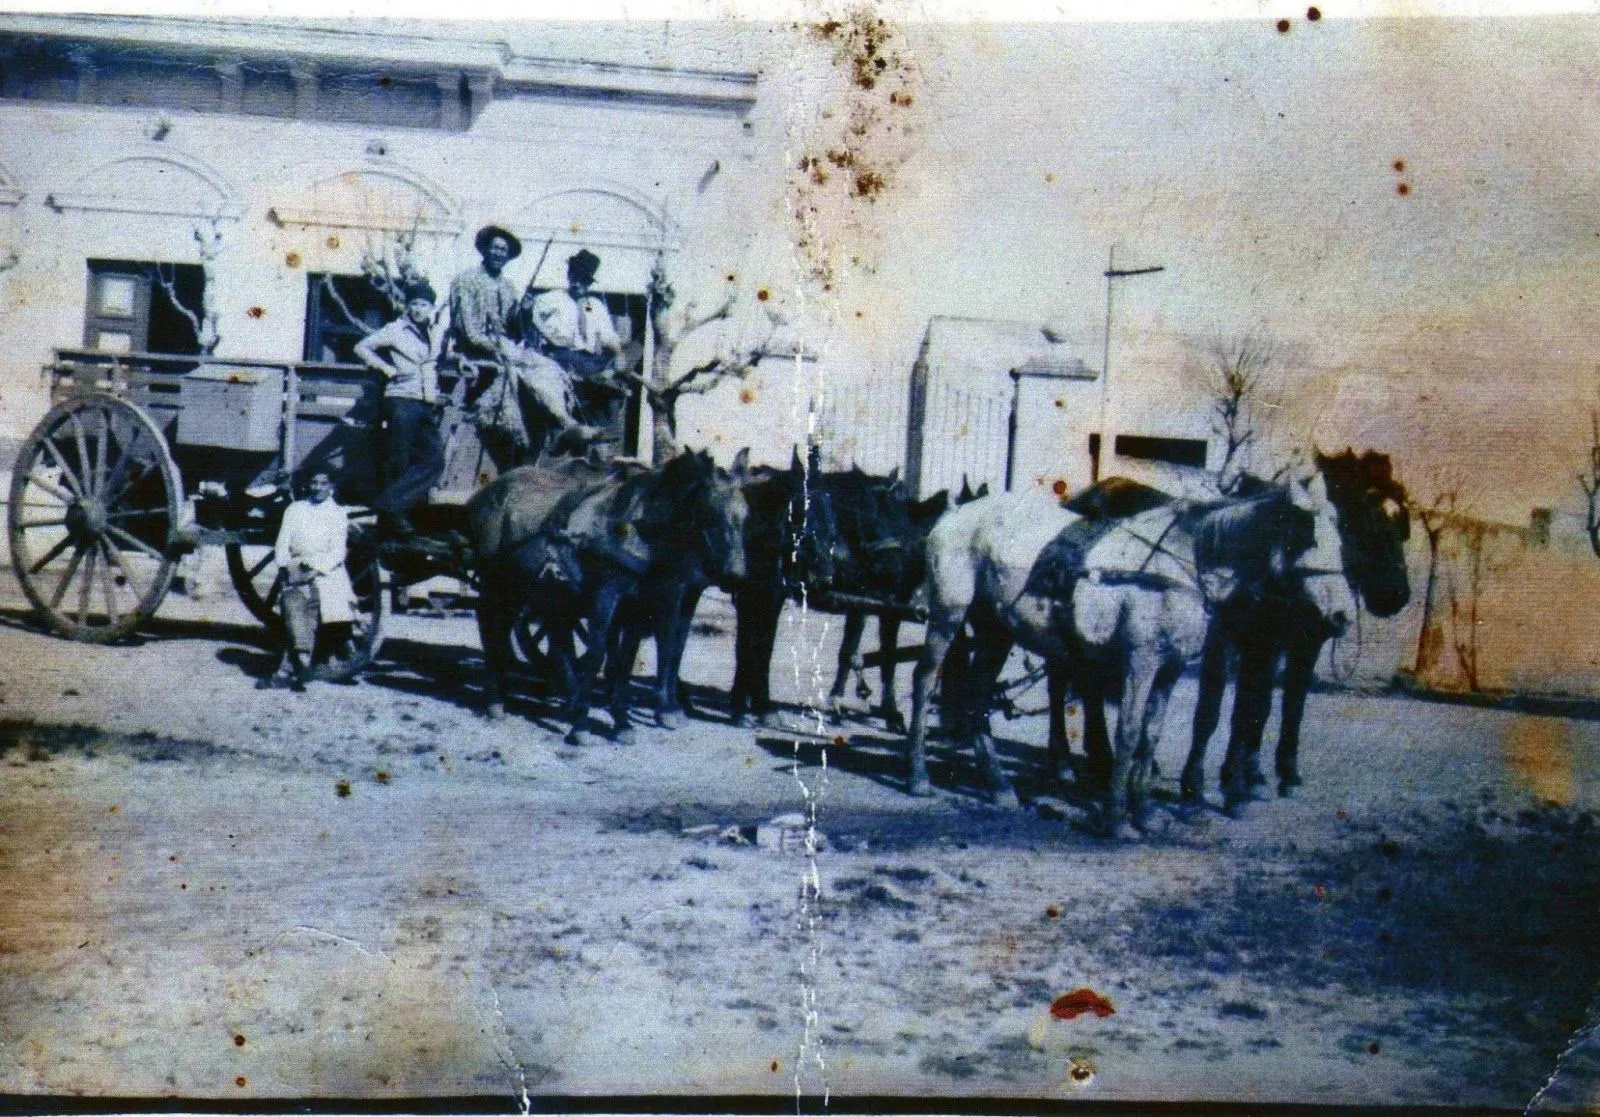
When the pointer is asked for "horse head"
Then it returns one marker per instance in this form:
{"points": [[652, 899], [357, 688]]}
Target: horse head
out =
{"points": [[1275, 542], [873, 518], [1374, 523], [699, 509]]}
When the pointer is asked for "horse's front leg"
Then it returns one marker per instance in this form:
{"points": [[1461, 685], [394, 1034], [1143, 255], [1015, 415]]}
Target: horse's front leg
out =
{"points": [[1058, 752], [1252, 703], [673, 625], [1207, 712], [1138, 681], [1298, 669], [759, 612], [602, 617], [619, 672], [855, 624], [495, 609], [942, 629], [1155, 720], [991, 645], [888, 645]]}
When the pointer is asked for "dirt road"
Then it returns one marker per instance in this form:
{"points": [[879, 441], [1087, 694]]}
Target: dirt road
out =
{"points": [[211, 891]]}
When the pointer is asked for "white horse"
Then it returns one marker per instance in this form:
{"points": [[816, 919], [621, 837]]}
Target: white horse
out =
{"points": [[1110, 601]]}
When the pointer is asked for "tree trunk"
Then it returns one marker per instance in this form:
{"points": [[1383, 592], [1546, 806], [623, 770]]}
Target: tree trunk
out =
{"points": [[663, 432], [1430, 642]]}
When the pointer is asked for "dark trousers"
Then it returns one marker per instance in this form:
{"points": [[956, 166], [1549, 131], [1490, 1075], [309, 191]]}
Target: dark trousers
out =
{"points": [[413, 455]]}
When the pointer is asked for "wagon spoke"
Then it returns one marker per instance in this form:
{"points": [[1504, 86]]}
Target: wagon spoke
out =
{"points": [[135, 513], [101, 449], [110, 498], [112, 616], [274, 593], [262, 565], [66, 579], [81, 442], [60, 460], [127, 575], [133, 541], [87, 587], [51, 555], [53, 489], [58, 521], [120, 467]]}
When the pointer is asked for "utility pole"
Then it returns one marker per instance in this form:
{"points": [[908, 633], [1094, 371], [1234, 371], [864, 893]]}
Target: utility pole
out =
{"points": [[1112, 273]]}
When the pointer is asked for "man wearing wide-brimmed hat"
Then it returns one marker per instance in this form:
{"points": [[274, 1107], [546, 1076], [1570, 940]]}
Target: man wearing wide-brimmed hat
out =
{"points": [[483, 307]]}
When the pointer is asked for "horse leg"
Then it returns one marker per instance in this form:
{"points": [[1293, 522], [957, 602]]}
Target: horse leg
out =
{"points": [[602, 618], [1208, 711], [888, 645], [1298, 668], [1155, 719], [855, 624], [672, 638], [1058, 753], [942, 631], [1096, 737], [756, 629], [991, 646], [1138, 681], [494, 633], [1252, 703], [619, 670]]}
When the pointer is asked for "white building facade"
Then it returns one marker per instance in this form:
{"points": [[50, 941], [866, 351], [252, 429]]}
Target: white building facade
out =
{"points": [[128, 147]]}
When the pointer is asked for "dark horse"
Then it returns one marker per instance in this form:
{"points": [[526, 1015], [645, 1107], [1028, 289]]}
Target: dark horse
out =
{"points": [[620, 552], [870, 543], [1373, 526]]}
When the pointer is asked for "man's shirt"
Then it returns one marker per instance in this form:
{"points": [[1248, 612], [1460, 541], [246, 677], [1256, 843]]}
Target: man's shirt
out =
{"points": [[581, 324], [480, 306], [412, 351]]}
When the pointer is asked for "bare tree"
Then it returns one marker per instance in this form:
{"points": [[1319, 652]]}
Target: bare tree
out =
{"points": [[391, 267], [1590, 481], [1238, 372], [664, 385], [203, 321]]}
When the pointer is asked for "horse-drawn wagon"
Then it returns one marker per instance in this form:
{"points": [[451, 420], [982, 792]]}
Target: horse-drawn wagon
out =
{"points": [[143, 457]]}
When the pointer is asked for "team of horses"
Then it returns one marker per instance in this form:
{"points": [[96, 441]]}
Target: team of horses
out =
{"points": [[1117, 591]]}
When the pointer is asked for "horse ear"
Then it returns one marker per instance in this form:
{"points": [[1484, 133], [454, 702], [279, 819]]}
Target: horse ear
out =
{"points": [[983, 491], [894, 475], [741, 463]]}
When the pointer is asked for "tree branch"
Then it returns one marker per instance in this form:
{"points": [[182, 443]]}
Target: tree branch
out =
{"points": [[344, 308], [169, 288]]}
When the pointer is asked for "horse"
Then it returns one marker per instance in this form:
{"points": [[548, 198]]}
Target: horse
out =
{"points": [[873, 539], [621, 553], [792, 546], [923, 516], [1374, 525], [1122, 603]]}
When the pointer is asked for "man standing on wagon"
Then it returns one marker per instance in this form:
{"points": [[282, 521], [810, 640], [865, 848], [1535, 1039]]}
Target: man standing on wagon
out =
{"points": [[406, 353], [483, 305]]}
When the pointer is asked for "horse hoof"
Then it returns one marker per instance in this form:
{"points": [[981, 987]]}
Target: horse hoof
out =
{"points": [[627, 738], [580, 739], [770, 720], [1234, 808], [742, 721], [496, 711], [1006, 800], [1128, 832], [921, 787], [671, 719], [1190, 810], [894, 721], [1287, 788]]}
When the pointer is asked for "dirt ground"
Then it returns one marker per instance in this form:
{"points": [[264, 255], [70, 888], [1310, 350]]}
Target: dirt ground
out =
{"points": [[215, 892]]}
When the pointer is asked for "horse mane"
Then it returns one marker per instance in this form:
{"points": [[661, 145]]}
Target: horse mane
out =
{"points": [[1244, 534], [1116, 498]]}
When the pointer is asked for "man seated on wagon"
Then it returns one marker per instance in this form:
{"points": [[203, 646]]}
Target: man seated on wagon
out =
{"points": [[406, 352], [483, 311], [310, 553], [574, 329]]}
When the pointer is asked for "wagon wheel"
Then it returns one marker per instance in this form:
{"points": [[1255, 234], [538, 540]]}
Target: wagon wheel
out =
{"points": [[255, 577], [96, 501], [530, 643]]}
